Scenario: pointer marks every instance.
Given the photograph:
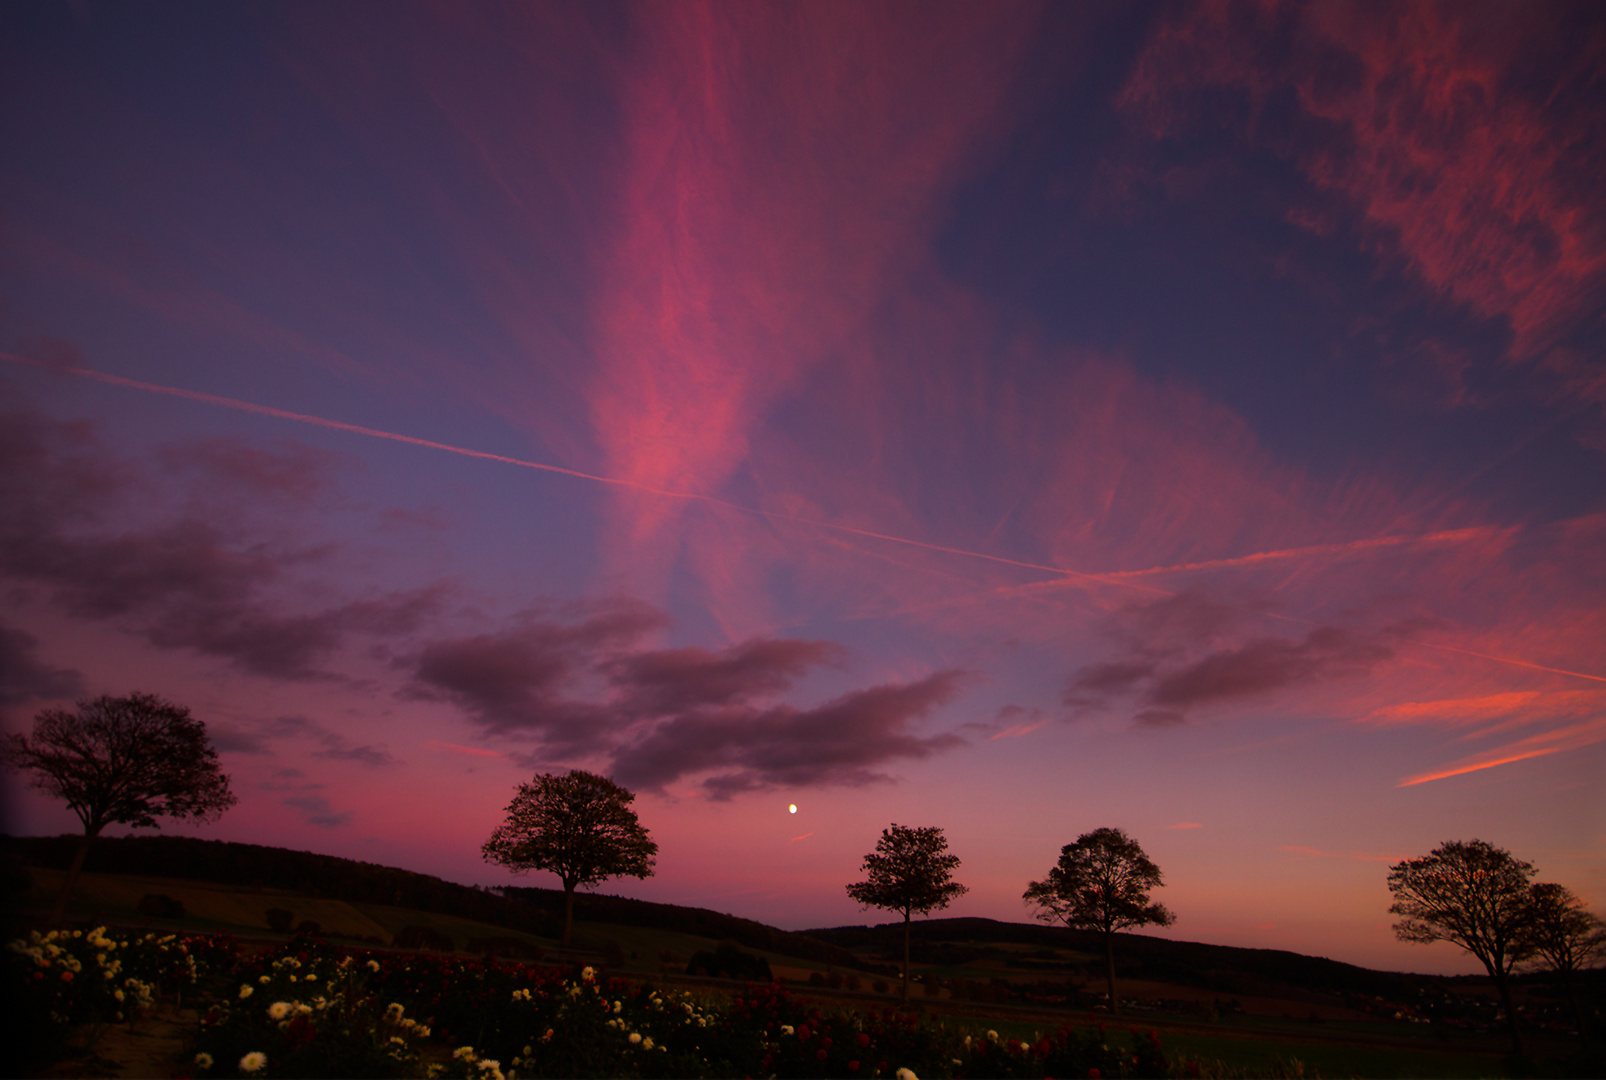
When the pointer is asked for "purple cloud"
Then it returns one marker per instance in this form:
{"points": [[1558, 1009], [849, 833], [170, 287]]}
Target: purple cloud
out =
{"points": [[24, 678], [842, 742]]}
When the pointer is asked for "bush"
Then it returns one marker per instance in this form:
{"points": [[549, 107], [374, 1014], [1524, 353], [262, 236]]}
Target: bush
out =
{"points": [[730, 961], [160, 906], [279, 920], [502, 945], [422, 937], [879, 986], [309, 927], [835, 980]]}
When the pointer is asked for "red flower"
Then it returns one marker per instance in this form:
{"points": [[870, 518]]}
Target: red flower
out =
{"points": [[803, 1032], [1094, 1073], [66, 976], [864, 1040], [853, 1066], [820, 1054], [826, 1042]]}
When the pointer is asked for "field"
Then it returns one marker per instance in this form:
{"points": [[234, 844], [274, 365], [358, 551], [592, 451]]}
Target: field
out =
{"points": [[1294, 1031]]}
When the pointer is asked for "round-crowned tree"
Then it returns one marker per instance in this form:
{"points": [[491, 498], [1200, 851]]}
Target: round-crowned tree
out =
{"points": [[579, 827], [1474, 895], [121, 761], [908, 871], [1101, 883]]}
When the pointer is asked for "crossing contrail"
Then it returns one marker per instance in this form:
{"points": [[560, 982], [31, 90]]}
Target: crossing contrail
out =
{"points": [[412, 440]]}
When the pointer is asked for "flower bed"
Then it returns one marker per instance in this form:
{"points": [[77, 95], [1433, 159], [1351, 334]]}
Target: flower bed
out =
{"points": [[312, 1009]]}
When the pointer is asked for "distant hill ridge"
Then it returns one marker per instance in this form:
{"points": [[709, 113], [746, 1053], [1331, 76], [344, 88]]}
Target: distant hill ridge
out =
{"points": [[532, 910], [1222, 968]]}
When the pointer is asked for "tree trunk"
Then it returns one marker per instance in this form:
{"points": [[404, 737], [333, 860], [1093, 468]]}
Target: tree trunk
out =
{"points": [[568, 911], [1109, 972], [60, 910], [1578, 1011], [1511, 1013], [906, 958]]}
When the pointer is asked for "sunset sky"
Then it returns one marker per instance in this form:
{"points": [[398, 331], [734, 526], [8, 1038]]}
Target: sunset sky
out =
{"points": [[1189, 419]]}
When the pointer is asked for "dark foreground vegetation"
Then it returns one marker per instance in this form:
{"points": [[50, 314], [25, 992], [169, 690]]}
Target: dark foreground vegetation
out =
{"points": [[1025, 995]]}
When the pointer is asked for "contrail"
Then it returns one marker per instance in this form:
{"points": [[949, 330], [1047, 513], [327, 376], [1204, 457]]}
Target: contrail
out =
{"points": [[411, 440], [1509, 660], [1422, 778], [1449, 536]]}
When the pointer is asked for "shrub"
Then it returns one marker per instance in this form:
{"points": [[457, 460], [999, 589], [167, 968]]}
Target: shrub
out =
{"points": [[730, 961], [502, 945], [835, 980], [309, 927], [879, 986], [161, 906], [279, 920], [422, 937]]}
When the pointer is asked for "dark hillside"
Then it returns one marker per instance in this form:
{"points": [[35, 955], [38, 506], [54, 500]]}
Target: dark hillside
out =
{"points": [[1220, 968], [536, 911], [595, 907]]}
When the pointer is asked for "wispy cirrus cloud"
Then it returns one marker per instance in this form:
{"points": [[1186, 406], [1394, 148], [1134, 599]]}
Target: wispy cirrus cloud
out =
{"points": [[1461, 160]]}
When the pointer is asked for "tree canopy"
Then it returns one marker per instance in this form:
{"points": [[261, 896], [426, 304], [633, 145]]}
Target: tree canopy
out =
{"points": [[1101, 883], [122, 761], [579, 827], [1474, 895], [1563, 935], [909, 871]]}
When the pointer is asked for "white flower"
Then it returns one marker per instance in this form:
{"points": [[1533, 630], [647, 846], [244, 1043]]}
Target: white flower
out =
{"points": [[373, 965], [278, 1010], [617, 1006], [466, 1053], [646, 1044], [264, 979], [993, 1035], [253, 1061], [786, 1029], [634, 1038], [528, 1051], [907, 1074], [589, 974], [312, 978], [245, 992], [203, 1060], [394, 1011]]}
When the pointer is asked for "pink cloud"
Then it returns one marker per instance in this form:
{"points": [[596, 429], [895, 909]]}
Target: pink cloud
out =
{"points": [[752, 241], [1421, 118]]}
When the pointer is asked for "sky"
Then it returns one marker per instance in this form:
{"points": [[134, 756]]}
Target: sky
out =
{"points": [[1181, 418]]}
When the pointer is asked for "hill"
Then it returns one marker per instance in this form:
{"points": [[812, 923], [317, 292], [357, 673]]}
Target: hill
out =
{"points": [[530, 910], [1220, 968]]}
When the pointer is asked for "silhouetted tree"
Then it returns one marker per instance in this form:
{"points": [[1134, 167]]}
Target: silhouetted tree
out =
{"points": [[122, 761], [1563, 935], [908, 872], [1101, 883], [1472, 894], [579, 827]]}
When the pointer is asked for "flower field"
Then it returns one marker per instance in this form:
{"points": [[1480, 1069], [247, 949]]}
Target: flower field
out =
{"points": [[313, 1009]]}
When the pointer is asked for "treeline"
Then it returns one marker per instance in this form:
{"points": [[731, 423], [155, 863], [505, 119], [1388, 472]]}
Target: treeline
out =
{"points": [[531, 910], [624, 911], [1220, 968]]}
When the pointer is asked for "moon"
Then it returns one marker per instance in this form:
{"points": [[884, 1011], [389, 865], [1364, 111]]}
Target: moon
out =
{"points": [[791, 808]]}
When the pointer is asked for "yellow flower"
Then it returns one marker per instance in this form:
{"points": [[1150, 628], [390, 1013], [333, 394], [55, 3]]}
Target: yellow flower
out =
{"points": [[253, 1061]]}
